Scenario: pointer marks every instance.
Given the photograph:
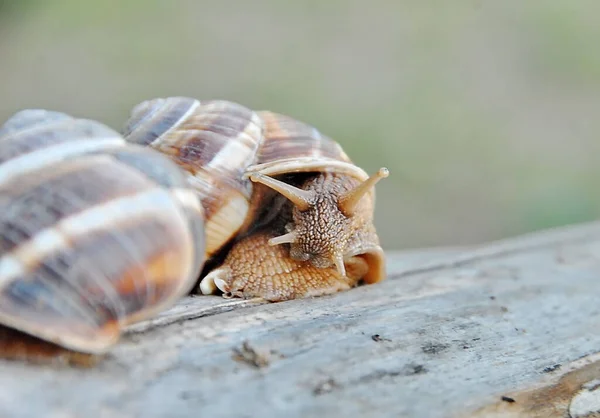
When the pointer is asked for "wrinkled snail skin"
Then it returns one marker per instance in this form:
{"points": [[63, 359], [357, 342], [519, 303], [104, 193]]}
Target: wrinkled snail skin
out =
{"points": [[95, 232], [286, 210]]}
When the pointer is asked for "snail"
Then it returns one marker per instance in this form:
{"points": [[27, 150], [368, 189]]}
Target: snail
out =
{"points": [[95, 233], [287, 213], [100, 229]]}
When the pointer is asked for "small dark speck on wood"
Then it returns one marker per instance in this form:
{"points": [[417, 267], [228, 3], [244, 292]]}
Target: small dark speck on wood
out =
{"points": [[250, 355], [417, 369], [325, 387], [434, 348], [550, 369], [379, 338]]}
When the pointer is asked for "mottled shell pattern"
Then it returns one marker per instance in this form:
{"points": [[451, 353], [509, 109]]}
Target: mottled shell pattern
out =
{"points": [[95, 232], [221, 143]]}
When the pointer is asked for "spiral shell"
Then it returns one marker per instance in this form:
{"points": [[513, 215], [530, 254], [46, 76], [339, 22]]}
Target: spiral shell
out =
{"points": [[95, 232]]}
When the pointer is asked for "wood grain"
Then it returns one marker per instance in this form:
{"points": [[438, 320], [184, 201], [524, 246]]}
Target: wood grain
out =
{"points": [[449, 333]]}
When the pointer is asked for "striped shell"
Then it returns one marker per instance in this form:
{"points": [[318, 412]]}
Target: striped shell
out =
{"points": [[291, 146], [221, 143], [95, 233]]}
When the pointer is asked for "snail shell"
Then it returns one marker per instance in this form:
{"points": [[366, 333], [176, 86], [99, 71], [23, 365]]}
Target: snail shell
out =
{"points": [[95, 232], [285, 207], [214, 142]]}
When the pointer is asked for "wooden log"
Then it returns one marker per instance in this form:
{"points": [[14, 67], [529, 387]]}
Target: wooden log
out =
{"points": [[505, 329]]}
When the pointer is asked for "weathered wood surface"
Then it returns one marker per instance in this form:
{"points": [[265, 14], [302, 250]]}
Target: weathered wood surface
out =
{"points": [[449, 334]]}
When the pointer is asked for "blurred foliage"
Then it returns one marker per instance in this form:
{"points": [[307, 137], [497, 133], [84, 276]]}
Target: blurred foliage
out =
{"points": [[485, 111], [16, 8]]}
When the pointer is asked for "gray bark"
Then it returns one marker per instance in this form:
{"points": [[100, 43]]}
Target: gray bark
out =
{"points": [[449, 333]]}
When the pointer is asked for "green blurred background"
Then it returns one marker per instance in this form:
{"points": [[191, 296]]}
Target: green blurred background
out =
{"points": [[485, 111]]}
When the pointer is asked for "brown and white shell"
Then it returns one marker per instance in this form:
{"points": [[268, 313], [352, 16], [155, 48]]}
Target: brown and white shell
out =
{"points": [[214, 142], [95, 232]]}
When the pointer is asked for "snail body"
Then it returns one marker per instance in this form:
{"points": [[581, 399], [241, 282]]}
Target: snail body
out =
{"points": [[285, 207], [95, 233]]}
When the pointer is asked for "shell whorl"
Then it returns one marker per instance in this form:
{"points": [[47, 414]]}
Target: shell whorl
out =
{"points": [[34, 139], [292, 146], [289, 137], [214, 141], [32, 118], [95, 233], [216, 137]]}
